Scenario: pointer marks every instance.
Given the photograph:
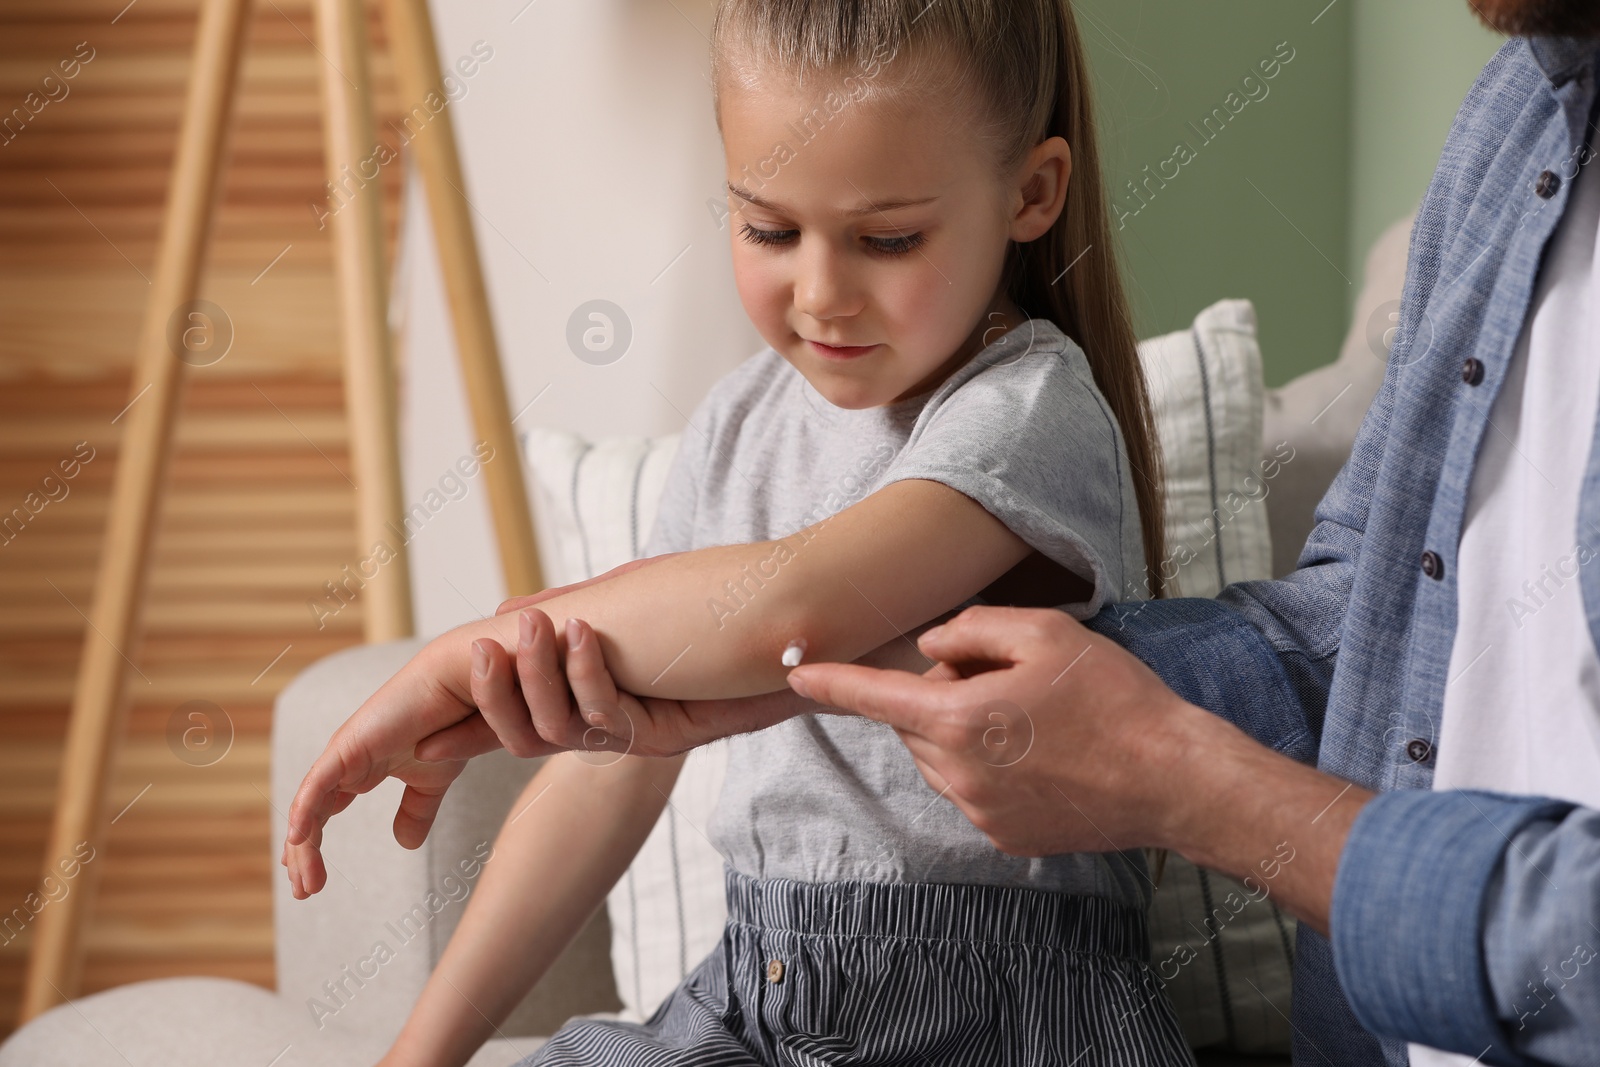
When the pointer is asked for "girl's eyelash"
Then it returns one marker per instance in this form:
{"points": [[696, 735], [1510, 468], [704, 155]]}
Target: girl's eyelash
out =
{"points": [[766, 237], [898, 246], [889, 246]]}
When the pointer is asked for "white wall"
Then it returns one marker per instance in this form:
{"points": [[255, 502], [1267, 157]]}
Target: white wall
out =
{"points": [[591, 151]]}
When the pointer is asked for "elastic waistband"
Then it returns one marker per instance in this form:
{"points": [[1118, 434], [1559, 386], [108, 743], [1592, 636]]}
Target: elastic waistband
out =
{"points": [[939, 911]]}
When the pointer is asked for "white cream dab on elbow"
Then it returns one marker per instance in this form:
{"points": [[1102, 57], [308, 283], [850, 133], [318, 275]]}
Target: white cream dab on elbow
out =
{"points": [[794, 652]]}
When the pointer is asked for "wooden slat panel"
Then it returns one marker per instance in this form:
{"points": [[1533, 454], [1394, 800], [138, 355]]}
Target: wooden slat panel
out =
{"points": [[260, 513], [61, 621], [285, 323], [26, 436]]}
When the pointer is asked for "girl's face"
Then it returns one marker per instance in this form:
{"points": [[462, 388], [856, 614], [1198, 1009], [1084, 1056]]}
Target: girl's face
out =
{"points": [[869, 256]]}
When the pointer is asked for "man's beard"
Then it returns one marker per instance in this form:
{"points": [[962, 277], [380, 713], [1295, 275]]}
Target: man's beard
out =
{"points": [[1540, 18]]}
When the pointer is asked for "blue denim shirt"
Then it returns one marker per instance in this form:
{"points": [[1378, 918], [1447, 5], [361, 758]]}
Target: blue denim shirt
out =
{"points": [[1468, 921]]}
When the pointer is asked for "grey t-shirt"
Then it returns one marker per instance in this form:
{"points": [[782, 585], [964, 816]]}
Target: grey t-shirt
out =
{"points": [[1021, 429]]}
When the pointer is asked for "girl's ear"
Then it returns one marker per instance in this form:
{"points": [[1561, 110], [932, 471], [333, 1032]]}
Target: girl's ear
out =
{"points": [[1040, 194]]}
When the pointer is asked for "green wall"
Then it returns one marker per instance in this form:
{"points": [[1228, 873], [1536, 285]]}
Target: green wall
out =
{"points": [[1413, 62], [1279, 202]]}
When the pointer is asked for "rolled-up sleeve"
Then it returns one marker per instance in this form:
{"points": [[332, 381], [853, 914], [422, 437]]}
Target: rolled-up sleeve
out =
{"points": [[1214, 657], [1469, 921]]}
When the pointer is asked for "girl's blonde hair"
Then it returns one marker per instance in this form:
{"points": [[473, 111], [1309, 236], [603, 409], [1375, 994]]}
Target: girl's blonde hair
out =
{"points": [[1023, 64]]}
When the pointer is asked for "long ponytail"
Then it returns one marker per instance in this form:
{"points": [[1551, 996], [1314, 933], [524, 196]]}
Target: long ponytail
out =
{"points": [[1071, 274]]}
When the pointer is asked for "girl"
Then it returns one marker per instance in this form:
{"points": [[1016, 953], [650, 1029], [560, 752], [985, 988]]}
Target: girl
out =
{"points": [[913, 440]]}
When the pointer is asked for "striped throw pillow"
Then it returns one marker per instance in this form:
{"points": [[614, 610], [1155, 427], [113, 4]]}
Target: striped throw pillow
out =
{"points": [[1222, 949]]}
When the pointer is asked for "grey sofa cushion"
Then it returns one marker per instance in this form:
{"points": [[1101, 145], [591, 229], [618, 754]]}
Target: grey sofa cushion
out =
{"points": [[182, 1022], [203, 1022], [1319, 412]]}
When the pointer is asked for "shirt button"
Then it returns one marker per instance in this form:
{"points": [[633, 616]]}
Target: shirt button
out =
{"points": [[1418, 750], [1548, 185], [1472, 371], [775, 971], [1432, 565]]}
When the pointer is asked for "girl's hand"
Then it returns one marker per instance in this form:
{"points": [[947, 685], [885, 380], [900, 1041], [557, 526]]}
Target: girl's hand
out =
{"points": [[426, 784], [379, 742]]}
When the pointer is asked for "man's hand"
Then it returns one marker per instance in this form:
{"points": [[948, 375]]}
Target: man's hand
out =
{"points": [[1050, 738], [1053, 739], [534, 702]]}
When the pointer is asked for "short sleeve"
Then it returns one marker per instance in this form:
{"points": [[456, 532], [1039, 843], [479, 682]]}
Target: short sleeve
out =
{"points": [[673, 528], [1034, 441]]}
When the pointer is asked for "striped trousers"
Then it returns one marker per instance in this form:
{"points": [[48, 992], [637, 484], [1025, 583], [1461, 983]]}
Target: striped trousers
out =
{"points": [[823, 974]]}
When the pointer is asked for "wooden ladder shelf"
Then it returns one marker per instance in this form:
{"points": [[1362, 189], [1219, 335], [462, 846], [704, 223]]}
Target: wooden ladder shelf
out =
{"points": [[99, 707]]}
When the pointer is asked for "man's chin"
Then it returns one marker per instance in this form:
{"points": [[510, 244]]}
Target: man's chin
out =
{"points": [[1540, 18]]}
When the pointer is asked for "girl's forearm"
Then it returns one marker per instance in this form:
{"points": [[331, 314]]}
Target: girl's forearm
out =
{"points": [[713, 623], [566, 841], [672, 628]]}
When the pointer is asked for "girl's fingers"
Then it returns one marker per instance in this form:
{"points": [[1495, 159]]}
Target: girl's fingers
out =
{"points": [[472, 736], [306, 870], [468, 739], [346, 765], [419, 806], [314, 875], [320, 781], [544, 685], [495, 692], [308, 813], [307, 875]]}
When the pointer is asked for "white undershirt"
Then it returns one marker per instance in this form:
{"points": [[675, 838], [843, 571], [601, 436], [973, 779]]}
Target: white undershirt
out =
{"points": [[1522, 707]]}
